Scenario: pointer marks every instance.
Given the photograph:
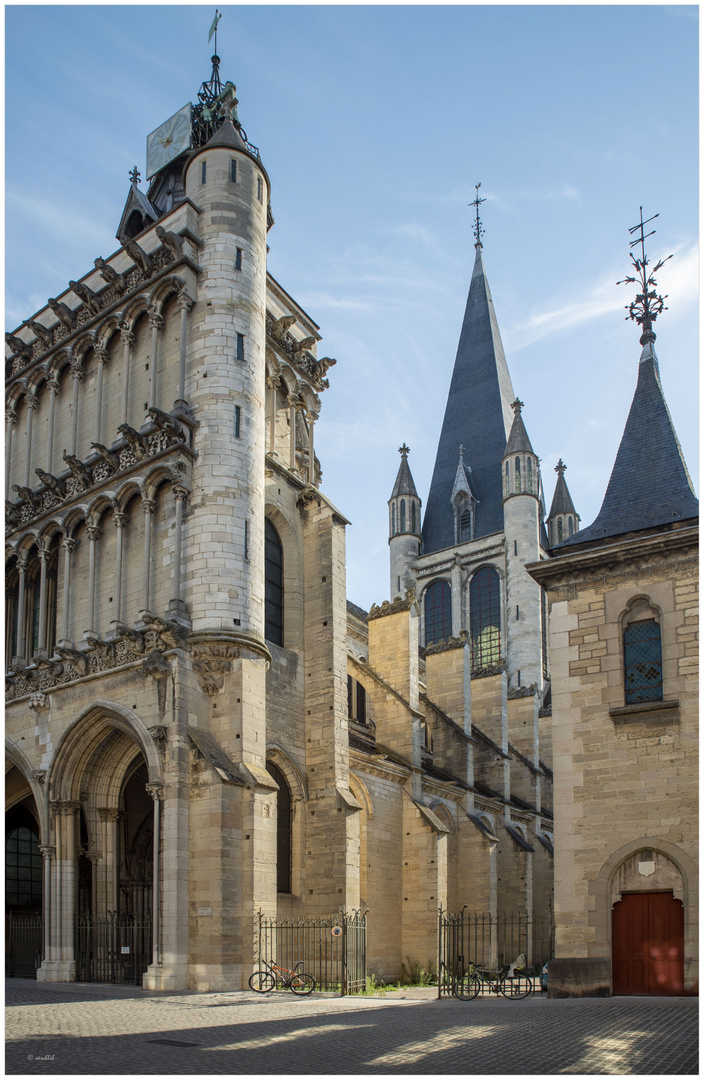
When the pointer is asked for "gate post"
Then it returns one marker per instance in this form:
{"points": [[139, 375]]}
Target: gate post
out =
{"points": [[343, 981]]}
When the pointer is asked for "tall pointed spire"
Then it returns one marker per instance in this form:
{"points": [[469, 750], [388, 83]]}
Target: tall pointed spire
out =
{"points": [[563, 519], [478, 415], [649, 483]]}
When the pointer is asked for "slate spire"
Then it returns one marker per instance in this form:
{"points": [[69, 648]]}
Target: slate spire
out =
{"points": [[561, 500], [477, 415], [404, 481]]}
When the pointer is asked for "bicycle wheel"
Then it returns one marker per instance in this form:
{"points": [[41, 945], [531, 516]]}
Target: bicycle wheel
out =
{"points": [[302, 983], [466, 987], [519, 986], [262, 982]]}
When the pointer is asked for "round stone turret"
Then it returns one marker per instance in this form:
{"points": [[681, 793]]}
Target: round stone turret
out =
{"points": [[404, 527]]}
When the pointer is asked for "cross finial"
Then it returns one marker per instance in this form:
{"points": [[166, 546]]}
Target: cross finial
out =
{"points": [[648, 304], [477, 230], [517, 406], [404, 451], [560, 467], [135, 176], [461, 449]]}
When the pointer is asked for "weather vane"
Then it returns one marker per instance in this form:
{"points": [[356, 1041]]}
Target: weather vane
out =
{"points": [[648, 304], [478, 230]]}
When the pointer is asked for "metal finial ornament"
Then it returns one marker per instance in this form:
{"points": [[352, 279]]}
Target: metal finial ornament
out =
{"points": [[517, 406], [404, 451], [210, 90], [560, 467], [648, 304], [477, 230], [135, 176]]}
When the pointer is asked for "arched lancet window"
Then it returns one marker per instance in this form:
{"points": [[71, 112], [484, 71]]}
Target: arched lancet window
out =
{"points": [[23, 861], [403, 515], [283, 830], [413, 517], [438, 612], [12, 589], [570, 525], [465, 525], [485, 618], [518, 475], [273, 586], [508, 480], [529, 475], [393, 519], [642, 655], [560, 530]]}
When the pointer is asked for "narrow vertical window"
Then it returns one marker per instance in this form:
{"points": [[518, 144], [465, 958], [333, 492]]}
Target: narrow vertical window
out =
{"points": [[393, 519], [350, 697], [438, 612], [361, 704], [508, 482], [273, 586], [559, 530], [518, 476], [283, 830], [403, 515], [529, 475], [240, 346], [260, 188], [246, 540], [642, 656], [233, 170], [238, 259], [413, 517], [238, 414], [570, 525], [202, 172]]}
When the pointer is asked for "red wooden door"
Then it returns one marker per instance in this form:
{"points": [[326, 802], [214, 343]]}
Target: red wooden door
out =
{"points": [[648, 944]]}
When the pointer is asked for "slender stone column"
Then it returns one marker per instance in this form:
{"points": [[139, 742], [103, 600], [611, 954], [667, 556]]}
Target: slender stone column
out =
{"points": [[127, 338], [31, 403], [77, 372], [180, 495], [21, 601], [11, 419], [120, 522], [93, 534], [293, 403], [69, 546], [312, 417], [101, 355], [148, 506], [157, 321], [157, 793], [185, 304], [110, 817], [53, 388], [48, 853], [273, 383], [64, 965], [43, 560], [456, 587]]}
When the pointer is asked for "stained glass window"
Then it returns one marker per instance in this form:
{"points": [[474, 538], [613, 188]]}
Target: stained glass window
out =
{"points": [[643, 661], [23, 869], [438, 612], [485, 618], [274, 586]]}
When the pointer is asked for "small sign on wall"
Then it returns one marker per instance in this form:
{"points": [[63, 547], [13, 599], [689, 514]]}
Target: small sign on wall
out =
{"points": [[205, 911], [125, 949]]}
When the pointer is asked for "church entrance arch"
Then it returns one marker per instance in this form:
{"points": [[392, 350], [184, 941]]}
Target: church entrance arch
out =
{"points": [[648, 944]]}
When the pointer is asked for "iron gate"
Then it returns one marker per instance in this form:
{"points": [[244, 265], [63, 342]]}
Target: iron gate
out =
{"points": [[24, 946], [490, 940], [333, 949], [114, 949]]}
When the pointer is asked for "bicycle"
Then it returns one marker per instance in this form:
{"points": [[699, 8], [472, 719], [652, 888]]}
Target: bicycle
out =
{"points": [[292, 979], [511, 981]]}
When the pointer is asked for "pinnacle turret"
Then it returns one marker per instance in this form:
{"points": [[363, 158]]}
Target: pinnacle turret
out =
{"points": [[563, 519]]}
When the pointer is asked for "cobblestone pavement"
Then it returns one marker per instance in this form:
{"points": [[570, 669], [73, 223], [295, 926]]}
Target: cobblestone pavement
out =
{"points": [[87, 1029]]}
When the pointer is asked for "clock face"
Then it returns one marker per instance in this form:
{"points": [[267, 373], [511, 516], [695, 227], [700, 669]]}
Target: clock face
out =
{"points": [[169, 140]]}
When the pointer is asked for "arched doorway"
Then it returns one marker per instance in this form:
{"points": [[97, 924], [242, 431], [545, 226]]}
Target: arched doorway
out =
{"points": [[24, 927]]}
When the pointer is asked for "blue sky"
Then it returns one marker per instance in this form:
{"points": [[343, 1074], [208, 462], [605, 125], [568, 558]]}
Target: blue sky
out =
{"points": [[375, 123]]}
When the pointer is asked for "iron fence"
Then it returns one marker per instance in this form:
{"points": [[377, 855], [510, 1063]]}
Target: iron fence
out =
{"points": [[113, 949], [490, 940], [333, 948], [24, 945]]}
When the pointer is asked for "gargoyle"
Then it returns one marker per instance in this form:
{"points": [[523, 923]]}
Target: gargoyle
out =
{"points": [[19, 347], [322, 366], [106, 649], [170, 631], [79, 470], [53, 667], [110, 459], [27, 496], [89, 298], [137, 443], [18, 667], [171, 241], [280, 326], [40, 332], [52, 483], [134, 638], [303, 346], [110, 275], [77, 660], [63, 313], [13, 514], [138, 256], [166, 423]]}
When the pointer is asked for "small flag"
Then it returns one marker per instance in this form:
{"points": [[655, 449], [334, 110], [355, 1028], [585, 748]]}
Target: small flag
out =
{"points": [[214, 25]]}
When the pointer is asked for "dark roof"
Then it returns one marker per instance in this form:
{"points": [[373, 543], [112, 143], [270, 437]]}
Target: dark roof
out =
{"points": [[358, 612], [518, 440], [561, 500], [404, 481], [227, 135], [649, 483], [477, 416]]}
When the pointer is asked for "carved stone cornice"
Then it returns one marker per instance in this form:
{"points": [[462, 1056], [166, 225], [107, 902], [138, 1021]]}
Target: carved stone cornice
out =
{"points": [[448, 644], [156, 791], [110, 813], [31, 401], [47, 851], [393, 607], [213, 653], [148, 506], [70, 807]]}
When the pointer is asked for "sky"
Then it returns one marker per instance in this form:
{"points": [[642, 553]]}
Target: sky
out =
{"points": [[374, 124]]}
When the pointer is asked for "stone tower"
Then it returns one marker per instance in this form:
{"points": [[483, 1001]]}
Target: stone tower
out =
{"points": [[404, 526]]}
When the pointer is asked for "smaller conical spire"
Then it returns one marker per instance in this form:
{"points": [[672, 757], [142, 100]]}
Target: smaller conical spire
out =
{"points": [[404, 481], [561, 500], [563, 519], [462, 482], [518, 441]]}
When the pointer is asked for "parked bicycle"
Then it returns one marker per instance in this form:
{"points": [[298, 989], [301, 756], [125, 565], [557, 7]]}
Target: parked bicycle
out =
{"points": [[512, 981], [266, 979]]}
